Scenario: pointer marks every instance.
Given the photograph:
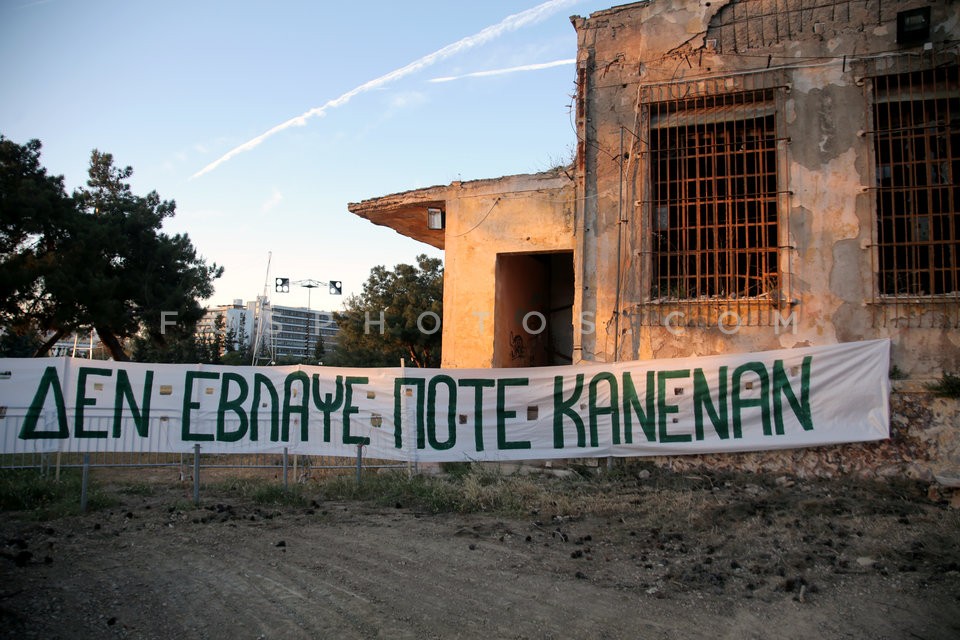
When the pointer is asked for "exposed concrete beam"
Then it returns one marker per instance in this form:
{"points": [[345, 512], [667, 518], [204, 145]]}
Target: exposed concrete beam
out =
{"points": [[406, 213]]}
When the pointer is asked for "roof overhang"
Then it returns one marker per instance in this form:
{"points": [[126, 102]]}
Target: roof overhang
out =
{"points": [[406, 213]]}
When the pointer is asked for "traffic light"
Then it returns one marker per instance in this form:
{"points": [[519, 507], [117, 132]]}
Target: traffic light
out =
{"points": [[336, 288], [282, 285]]}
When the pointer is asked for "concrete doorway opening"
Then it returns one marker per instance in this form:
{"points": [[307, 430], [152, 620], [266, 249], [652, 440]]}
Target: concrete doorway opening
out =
{"points": [[533, 323]]}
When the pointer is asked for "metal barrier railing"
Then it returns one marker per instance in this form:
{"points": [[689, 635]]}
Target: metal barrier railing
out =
{"points": [[191, 465]]}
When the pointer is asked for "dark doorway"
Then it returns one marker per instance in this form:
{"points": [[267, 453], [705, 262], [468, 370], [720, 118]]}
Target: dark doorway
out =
{"points": [[533, 326]]}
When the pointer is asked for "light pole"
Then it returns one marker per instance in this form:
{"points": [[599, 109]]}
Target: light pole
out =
{"points": [[309, 285], [283, 286]]}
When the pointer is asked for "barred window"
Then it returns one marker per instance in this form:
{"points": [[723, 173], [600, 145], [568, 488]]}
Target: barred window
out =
{"points": [[714, 214], [917, 154]]}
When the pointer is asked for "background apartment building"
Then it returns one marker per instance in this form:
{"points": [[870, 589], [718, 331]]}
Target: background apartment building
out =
{"points": [[284, 333]]}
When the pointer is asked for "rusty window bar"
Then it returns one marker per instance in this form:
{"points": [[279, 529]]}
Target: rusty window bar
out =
{"points": [[916, 142], [713, 205]]}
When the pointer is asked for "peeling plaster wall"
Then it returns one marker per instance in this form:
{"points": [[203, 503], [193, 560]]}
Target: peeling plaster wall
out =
{"points": [[515, 214], [828, 217], [826, 221], [819, 56]]}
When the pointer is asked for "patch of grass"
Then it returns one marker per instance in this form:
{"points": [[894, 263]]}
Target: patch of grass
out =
{"points": [[456, 469], [948, 386], [491, 490], [435, 494], [97, 499], [264, 492], [482, 489], [144, 489], [275, 495], [27, 490], [182, 505]]}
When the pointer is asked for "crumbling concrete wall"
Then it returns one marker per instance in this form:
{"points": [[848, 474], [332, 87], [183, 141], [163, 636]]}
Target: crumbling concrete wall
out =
{"points": [[924, 445], [514, 214], [521, 214], [816, 58]]}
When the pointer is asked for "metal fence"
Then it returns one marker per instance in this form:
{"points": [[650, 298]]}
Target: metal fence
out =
{"points": [[191, 466], [299, 467], [284, 466]]}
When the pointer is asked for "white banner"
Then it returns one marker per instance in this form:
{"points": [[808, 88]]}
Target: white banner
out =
{"points": [[738, 402]]}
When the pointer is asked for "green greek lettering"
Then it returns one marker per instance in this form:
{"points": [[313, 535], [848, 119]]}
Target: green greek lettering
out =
{"points": [[398, 392], [141, 418], [478, 385], [349, 409], [329, 403], [740, 403], [718, 414], [235, 406], [565, 407], [50, 381], [664, 409], [79, 430], [263, 383], [631, 404], [781, 386], [189, 405], [612, 409], [503, 414], [451, 412], [301, 408]]}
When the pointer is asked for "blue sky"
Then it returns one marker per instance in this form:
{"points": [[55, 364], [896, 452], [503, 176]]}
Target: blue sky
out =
{"points": [[175, 89]]}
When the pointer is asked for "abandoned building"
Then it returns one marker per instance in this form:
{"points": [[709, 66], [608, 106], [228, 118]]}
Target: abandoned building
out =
{"points": [[749, 175]]}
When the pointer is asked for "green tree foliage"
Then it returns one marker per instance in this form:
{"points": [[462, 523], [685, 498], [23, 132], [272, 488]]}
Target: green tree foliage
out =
{"points": [[319, 349], [95, 259], [237, 346], [35, 212], [15, 345], [185, 344], [403, 295]]}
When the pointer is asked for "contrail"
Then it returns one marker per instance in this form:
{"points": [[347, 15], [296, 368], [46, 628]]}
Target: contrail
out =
{"points": [[510, 23], [500, 72]]}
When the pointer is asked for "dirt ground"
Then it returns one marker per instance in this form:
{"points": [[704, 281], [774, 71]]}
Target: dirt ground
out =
{"points": [[638, 556]]}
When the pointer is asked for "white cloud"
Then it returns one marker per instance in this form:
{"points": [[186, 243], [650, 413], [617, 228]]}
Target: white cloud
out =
{"points": [[408, 99], [510, 23], [272, 201], [500, 72]]}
